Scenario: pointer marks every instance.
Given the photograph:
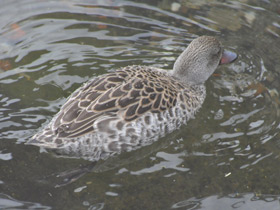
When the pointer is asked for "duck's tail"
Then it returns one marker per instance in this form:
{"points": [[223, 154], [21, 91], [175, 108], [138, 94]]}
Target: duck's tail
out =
{"points": [[45, 138]]}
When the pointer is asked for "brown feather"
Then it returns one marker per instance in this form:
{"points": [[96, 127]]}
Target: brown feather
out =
{"points": [[118, 92]]}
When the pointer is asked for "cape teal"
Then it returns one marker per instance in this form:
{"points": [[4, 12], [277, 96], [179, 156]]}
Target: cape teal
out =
{"points": [[134, 106]]}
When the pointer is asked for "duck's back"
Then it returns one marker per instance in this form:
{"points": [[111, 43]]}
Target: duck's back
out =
{"points": [[123, 110]]}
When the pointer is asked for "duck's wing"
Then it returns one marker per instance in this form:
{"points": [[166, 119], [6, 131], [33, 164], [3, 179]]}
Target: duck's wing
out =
{"points": [[77, 115], [124, 94]]}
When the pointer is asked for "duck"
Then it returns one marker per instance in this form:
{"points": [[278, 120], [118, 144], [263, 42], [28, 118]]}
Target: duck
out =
{"points": [[133, 106]]}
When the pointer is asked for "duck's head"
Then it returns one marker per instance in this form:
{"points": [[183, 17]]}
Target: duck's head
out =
{"points": [[201, 58]]}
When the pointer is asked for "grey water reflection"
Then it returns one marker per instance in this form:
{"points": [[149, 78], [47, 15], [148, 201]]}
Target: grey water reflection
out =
{"points": [[7, 202], [232, 147], [233, 201]]}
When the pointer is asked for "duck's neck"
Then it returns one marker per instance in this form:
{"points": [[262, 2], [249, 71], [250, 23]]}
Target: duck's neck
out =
{"points": [[191, 68]]}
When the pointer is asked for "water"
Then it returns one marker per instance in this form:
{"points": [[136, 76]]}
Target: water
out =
{"points": [[225, 158]]}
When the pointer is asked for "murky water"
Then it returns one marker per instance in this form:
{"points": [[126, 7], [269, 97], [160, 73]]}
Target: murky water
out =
{"points": [[225, 158]]}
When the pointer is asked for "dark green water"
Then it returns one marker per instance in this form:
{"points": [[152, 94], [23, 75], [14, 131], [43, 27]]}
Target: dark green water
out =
{"points": [[225, 158]]}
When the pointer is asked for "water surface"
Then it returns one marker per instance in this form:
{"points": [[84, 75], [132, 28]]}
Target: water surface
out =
{"points": [[225, 158]]}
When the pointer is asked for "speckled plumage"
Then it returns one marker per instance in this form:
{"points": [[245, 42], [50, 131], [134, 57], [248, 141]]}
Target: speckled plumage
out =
{"points": [[123, 110]]}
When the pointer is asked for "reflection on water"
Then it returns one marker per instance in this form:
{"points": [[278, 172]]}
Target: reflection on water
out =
{"points": [[48, 49], [234, 201], [7, 202]]}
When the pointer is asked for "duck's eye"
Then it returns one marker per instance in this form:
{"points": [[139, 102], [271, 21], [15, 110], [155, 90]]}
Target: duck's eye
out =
{"points": [[219, 52]]}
